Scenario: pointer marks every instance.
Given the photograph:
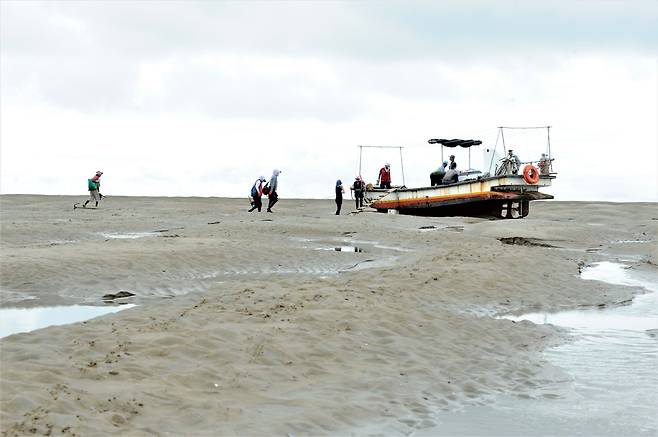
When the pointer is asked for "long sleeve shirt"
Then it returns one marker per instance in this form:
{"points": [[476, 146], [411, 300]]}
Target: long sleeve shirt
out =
{"points": [[273, 183]]}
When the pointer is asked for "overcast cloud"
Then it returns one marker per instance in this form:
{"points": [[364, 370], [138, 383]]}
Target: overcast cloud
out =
{"points": [[200, 98]]}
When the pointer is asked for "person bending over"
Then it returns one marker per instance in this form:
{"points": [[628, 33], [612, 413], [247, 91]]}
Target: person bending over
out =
{"points": [[94, 185], [452, 175]]}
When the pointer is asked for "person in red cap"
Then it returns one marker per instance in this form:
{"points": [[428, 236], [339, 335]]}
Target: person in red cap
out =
{"points": [[94, 185]]}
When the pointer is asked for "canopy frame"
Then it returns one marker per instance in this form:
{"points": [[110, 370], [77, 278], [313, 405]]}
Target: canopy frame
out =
{"points": [[383, 147]]}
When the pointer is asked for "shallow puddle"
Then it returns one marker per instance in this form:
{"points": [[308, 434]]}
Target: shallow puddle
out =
{"points": [[640, 315], [127, 235], [348, 249], [612, 363], [341, 249], [15, 320]]}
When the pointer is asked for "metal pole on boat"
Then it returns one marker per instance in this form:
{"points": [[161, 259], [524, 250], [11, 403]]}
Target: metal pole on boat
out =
{"points": [[360, 153], [469, 158], [402, 167], [502, 135], [441, 153], [548, 133]]}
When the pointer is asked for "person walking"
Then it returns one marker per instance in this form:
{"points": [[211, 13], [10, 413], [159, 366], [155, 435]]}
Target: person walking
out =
{"points": [[339, 196], [384, 179], [273, 185], [94, 185], [257, 194], [359, 188]]}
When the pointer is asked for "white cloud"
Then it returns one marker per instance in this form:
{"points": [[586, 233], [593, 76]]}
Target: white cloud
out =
{"points": [[176, 98]]}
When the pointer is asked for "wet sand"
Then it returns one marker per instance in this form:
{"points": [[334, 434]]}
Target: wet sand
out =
{"points": [[253, 324]]}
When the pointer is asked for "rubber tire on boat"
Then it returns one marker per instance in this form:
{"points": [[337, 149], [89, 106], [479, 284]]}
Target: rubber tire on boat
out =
{"points": [[530, 174]]}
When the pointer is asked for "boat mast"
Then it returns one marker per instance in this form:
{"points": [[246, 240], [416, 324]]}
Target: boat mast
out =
{"points": [[360, 154], [502, 136], [402, 168]]}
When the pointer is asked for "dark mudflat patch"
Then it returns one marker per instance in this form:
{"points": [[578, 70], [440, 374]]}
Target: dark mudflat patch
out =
{"points": [[120, 295], [522, 241]]}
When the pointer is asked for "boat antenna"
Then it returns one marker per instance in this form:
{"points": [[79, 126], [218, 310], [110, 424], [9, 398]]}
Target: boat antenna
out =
{"points": [[494, 151], [360, 154], [402, 168], [548, 138], [502, 136]]}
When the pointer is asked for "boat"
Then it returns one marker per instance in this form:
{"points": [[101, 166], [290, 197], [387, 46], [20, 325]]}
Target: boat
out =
{"points": [[502, 191]]}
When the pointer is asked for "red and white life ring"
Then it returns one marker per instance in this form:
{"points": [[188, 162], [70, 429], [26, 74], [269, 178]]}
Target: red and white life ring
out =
{"points": [[530, 174]]}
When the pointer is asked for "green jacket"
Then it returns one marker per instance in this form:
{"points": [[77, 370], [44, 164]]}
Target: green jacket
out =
{"points": [[91, 185]]}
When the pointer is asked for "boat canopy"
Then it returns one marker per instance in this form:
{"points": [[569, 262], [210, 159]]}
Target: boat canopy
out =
{"points": [[455, 142]]}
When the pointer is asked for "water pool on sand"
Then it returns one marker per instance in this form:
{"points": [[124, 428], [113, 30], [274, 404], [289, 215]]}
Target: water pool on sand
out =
{"points": [[15, 320]]}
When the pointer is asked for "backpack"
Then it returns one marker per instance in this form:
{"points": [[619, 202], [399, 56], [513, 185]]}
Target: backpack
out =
{"points": [[254, 191], [266, 189]]}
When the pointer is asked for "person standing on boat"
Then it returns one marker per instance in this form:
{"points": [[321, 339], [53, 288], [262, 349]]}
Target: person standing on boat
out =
{"points": [[436, 177], [273, 185], [94, 185], [452, 175], [452, 161], [384, 179], [515, 162], [339, 196], [359, 188], [544, 165], [257, 194]]}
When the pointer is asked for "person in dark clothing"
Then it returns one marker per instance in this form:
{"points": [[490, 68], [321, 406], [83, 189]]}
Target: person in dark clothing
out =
{"points": [[437, 175], [359, 188], [257, 194], [339, 196], [274, 185], [452, 161]]}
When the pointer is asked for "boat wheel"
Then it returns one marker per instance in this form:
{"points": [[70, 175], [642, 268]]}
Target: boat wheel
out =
{"points": [[524, 208], [512, 210], [508, 211]]}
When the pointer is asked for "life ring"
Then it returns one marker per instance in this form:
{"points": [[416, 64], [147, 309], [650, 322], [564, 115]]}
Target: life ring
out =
{"points": [[530, 174]]}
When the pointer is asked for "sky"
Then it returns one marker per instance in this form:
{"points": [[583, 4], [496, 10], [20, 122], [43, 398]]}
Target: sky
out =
{"points": [[185, 98]]}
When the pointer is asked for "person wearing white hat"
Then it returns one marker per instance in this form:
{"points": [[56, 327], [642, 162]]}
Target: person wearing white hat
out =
{"points": [[384, 179]]}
